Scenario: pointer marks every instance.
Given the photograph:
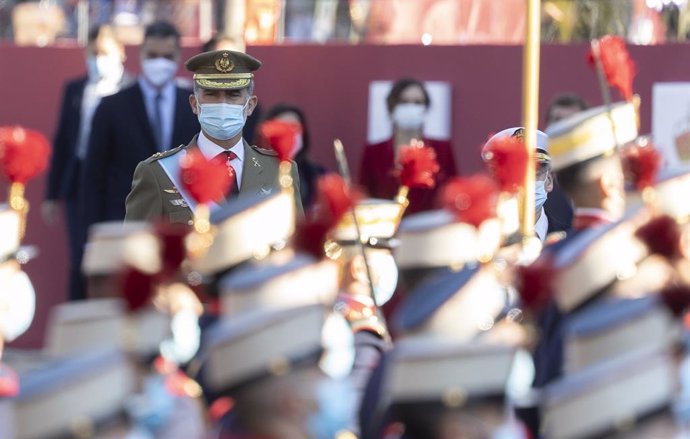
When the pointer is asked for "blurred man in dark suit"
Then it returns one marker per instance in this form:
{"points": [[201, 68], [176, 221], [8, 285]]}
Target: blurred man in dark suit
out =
{"points": [[153, 115], [105, 76]]}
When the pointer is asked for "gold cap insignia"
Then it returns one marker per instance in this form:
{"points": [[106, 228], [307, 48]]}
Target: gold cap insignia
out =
{"points": [[224, 64], [519, 133]]}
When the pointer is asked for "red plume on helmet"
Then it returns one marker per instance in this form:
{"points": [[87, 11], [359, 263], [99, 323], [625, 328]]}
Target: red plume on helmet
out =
{"points": [[662, 236], [281, 136], [418, 166], [471, 199], [506, 160], [334, 199], [24, 154], [138, 286], [618, 67], [534, 282], [173, 251], [205, 180], [676, 297], [641, 165]]}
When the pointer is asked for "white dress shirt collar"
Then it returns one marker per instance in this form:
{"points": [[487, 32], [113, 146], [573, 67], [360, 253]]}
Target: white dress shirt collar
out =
{"points": [[167, 90], [541, 228]]}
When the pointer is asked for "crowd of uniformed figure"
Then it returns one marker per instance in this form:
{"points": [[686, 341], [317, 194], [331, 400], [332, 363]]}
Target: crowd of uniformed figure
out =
{"points": [[418, 311]]}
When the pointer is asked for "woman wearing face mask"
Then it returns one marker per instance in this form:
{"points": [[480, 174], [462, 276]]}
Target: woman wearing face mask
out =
{"points": [[407, 102], [309, 171]]}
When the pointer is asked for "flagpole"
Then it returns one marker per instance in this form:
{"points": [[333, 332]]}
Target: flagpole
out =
{"points": [[530, 109]]}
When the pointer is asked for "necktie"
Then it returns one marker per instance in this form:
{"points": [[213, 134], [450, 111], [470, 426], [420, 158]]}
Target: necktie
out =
{"points": [[158, 122], [227, 157]]}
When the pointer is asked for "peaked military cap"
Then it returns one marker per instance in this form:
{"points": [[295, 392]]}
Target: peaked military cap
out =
{"points": [[377, 219], [592, 133], [456, 305], [223, 69], [282, 280], [112, 245], [616, 327], [595, 258], [254, 346], [542, 147], [453, 372], [246, 228]]}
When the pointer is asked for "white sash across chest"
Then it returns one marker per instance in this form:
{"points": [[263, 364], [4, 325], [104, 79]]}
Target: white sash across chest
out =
{"points": [[171, 167]]}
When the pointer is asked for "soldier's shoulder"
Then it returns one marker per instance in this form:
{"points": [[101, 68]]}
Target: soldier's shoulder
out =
{"points": [[264, 151], [164, 154]]}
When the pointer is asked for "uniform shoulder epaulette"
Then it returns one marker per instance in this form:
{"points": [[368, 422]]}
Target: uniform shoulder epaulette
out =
{"points": [[168, 153], [264, 151]]}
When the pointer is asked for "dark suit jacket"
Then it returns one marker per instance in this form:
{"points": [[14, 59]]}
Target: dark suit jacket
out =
{"points": [[377, 173], [63, 177], [121, 137], [63, 174], [559, 210]]}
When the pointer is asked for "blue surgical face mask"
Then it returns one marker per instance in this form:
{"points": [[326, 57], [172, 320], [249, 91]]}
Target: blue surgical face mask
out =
{"points": [[540, 194], [222, 121]]}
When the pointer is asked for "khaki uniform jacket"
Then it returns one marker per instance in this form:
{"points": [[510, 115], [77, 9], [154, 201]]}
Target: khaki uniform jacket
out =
{"points": [[154, 195]]}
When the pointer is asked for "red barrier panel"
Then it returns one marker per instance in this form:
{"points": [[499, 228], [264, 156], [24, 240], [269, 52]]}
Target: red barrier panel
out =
{"points": [[330, 83]]}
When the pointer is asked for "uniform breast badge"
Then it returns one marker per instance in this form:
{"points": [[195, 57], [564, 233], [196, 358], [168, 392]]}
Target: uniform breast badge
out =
{"points": [[179, 202], [256, 162], [172, 190]]}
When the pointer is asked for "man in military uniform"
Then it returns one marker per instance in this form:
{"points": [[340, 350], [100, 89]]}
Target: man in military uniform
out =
{"points": [[223, 98]]}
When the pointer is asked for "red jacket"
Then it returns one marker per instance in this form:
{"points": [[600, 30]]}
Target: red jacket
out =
{"points": [[377, 173]]}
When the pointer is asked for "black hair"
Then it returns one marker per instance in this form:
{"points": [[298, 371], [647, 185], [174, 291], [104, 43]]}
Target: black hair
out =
{"points": [[399, 87], [572, 178], [212, 44], [283, 108], [94, 32], [162, 29], [565, 100]]}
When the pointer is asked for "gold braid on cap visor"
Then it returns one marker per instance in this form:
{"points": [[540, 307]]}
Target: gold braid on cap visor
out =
{"points": [[542, 157], [214, 80]]}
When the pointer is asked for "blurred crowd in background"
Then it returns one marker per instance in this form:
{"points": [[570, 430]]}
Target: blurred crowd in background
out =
{"points": [[43, 22]]}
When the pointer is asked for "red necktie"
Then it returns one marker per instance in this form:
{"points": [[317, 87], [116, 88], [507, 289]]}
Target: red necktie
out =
{"points": [[227, 157]]}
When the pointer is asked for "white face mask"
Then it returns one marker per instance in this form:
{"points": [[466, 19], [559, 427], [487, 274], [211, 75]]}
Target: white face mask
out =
{"points": [[158, 71], [222, 121], [109, 67], [299, 143], [19, 302], [409, 116], [540, 194], [385, 272]]}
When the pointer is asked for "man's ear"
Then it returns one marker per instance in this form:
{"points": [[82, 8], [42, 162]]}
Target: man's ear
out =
{"points": [[251, 105], [192, 103], [548, 183], [606, 184]]}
